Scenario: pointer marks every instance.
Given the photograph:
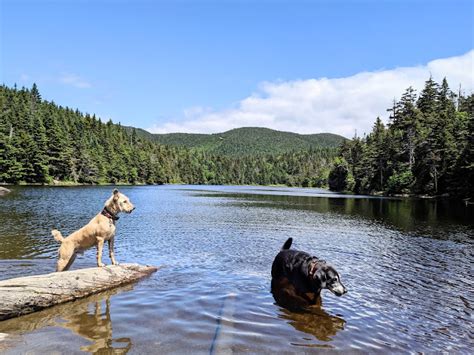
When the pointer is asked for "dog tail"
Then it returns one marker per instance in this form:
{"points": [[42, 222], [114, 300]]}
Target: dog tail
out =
{"points": [[57, 235], [287, 244]]}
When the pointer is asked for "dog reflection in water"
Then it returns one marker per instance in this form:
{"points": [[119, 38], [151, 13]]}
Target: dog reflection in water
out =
{"points": [[89, 318], [314, 321], [93, 323]]}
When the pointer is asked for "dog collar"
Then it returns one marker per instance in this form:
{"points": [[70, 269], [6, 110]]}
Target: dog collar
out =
{"points": [[312, 269], [105, 212]]}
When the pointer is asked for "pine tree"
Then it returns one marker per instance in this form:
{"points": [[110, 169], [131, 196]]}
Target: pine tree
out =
{"points": [[39, 158], [426, 169], [338, 177], [405, 124], [377, 156]]}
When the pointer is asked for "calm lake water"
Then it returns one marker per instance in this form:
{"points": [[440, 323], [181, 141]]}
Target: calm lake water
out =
{"points": [[407, 265]]}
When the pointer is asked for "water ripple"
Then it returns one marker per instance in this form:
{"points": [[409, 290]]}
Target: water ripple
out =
{"points": [[407, 266]]}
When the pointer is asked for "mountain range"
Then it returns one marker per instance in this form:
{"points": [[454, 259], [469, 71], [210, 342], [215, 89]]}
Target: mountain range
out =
{"points": [[246, 141]]}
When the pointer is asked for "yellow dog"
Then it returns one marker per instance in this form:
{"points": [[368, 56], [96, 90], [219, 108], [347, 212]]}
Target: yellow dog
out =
{"points": [[101, 228]]}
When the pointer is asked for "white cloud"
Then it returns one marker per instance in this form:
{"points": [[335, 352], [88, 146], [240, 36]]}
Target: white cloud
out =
{"points": [[340, 105], [74, 80]]}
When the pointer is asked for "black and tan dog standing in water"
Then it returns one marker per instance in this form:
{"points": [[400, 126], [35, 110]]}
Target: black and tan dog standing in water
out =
{"points": [[99, 230], [298, 278]]}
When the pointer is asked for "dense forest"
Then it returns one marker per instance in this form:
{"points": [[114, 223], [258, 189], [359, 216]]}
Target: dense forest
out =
{"points": [[248, 141], [426, 148], [41, 142]]}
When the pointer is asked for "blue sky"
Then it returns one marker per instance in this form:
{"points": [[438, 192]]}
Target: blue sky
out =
{"points": [[191, 65]]}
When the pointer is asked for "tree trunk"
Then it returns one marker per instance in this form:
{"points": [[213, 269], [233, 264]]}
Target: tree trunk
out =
{"points": [[28, 294]]}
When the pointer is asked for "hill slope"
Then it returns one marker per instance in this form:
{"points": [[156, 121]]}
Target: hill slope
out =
{"points": [[41, 142], [248, 141]]}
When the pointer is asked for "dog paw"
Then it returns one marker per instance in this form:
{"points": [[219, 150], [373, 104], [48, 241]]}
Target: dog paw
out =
{"points": [[101, 265]]}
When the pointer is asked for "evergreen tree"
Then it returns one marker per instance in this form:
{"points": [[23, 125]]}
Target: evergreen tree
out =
{"points": [[338, 177], [426, 149]]}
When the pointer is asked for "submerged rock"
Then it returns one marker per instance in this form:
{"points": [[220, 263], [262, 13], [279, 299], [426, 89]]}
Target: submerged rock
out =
{"points": [[4, 191]]}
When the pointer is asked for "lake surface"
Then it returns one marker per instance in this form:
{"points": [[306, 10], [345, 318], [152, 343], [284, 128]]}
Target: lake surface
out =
{"points": [[407, 265]]}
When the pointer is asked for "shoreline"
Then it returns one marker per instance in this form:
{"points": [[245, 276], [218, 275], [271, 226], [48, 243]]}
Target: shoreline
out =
{"points": [[467, 200]]}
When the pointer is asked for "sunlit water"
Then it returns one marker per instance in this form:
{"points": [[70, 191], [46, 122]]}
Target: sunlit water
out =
{"points": [[407, 264]]}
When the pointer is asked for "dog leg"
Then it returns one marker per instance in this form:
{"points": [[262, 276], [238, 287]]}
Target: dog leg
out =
{"points": [[111, 251], [294, 299], [100, 246], [65, 264], [71, 260], [66, 257], [61, 265]]}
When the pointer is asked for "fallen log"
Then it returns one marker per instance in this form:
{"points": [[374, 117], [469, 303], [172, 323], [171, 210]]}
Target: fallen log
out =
{"points": [[29, 294]]}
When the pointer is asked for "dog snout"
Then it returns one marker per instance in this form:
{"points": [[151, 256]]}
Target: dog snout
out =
{"points": [[338, 290], [344, 290]]}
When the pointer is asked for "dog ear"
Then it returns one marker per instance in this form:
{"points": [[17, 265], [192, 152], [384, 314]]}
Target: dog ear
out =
{"points": [[313, 267]]}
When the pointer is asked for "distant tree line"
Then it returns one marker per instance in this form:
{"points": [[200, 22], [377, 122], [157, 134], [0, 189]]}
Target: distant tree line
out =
{"points": [[247, 141], [41, 142], [426, 149]]}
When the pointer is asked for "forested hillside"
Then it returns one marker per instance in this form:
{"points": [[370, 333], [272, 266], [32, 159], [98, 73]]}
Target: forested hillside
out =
{"points": [[426, 149], [41, 142], [250, 140]]}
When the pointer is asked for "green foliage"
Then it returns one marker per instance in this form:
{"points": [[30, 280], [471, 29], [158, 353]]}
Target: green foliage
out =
{"points": [[41, 142], [426, 149], [248, 141], [338, 177], [400, 182]]}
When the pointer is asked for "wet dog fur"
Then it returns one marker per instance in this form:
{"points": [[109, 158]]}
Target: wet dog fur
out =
{"points": [[298, 278], [100, 229]]}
